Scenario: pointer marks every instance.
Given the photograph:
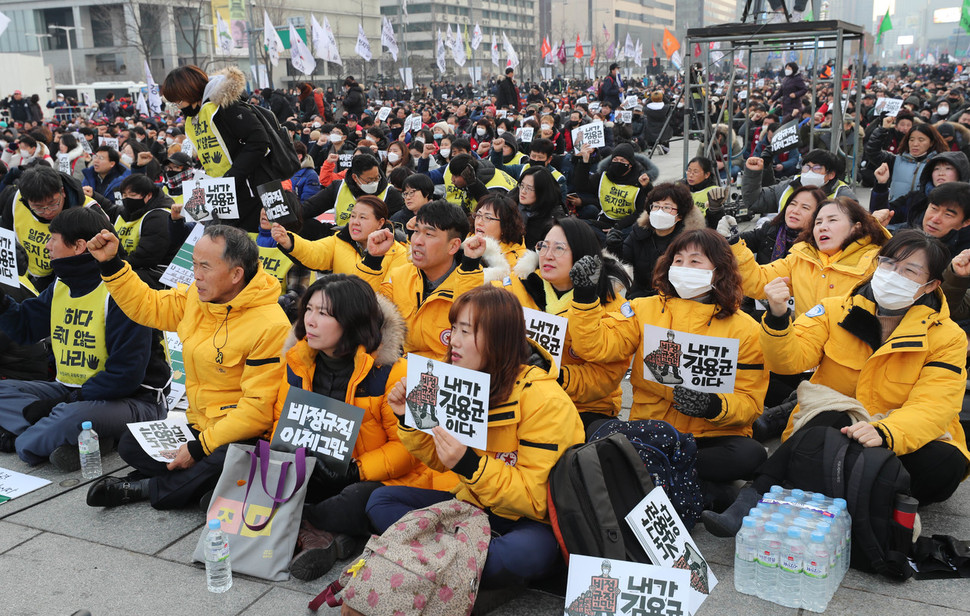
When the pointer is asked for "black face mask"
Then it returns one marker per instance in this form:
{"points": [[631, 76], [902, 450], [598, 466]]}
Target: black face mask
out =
{"points": [[192, 110], [132, 204], [618, 170]]}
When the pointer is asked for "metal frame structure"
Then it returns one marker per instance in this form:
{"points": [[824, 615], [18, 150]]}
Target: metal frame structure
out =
{"points": [[816, 37]]}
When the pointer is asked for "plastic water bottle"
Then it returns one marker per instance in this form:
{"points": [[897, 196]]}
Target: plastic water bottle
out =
{"points": [[745, 555], [766, 573], [218, 571], [816, 585], [90, 451], [790, 568]]}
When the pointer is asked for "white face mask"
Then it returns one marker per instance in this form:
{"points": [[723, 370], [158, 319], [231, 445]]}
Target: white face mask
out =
{"points": [[812, 179], [316, 125], [481, 132], [371, 188], [393, 157], [942, 110], [690, 282], [892, 291], [445, 152], [336, 138], [662, 220], [25, 154], [126, 160], [788, 72], [169, 141], [546, 127]]}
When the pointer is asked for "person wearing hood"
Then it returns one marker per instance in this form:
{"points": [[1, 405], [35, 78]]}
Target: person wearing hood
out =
{"points": [[332, 150], [228, 136], [621, 184], [354, 101], [142, 228], [918, 147], [656, 112], [471, 178], [110, 371], [24, 151], [790, 94], [363, 178], [820, 168], [139, 160], [305, 181]]}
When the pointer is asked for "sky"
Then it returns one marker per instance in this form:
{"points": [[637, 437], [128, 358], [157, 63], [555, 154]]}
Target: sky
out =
{"points": [[879, 7]]}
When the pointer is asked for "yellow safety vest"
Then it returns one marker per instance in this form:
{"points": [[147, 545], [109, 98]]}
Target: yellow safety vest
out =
{"points": [[789, 190], [209, 146], [700, 198], [275, 263], [78, 333], [517, 159], [179, 199], [129, 233], [345, 203], [617, 200], [33, 235], [459, 196], [555, 172]]}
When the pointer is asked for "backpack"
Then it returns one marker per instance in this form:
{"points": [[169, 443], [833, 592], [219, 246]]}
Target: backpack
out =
{"points": [[822, 459], [670, 457], [428, 563], [599, 89], [280, 161], [591, 489]]}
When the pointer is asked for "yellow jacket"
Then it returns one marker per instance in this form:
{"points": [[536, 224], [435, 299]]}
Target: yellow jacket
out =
{"points": [[338, 253], [598, 336], [229, 401], [916, 378], [526, 436], [814, 275]]}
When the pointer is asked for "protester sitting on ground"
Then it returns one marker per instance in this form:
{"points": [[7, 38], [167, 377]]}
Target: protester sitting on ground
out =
{"points": [[621, 184], [509, 478], [105, 173], [541, 152], [24, 151], [279, 265], [699, 179], [539, 202], [71, 151], [921, 144], [363, 178], [398, 155], [348, 348], [820, 168], [232, 331], [177, 169], [468, 179], [418, 191], [142, 228], [498, 219], [699, 292], [956, 281], [773, 239], [892, 346], [136, 156], [109, 370], [304, 182]]}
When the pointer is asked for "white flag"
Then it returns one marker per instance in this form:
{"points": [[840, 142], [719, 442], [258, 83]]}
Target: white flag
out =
{"points": [[495, 51], [154, 98], [4, 22], [716, 55], [223, 36], [676, 60], [457, 47], [272, 40], [510, 51], [440, 53], [330, 51], [476, 37], [141, 105], [388, 40], [628, 49], [638, 54], [404, 11], [363, 45], [300, 56], [449, 38]]}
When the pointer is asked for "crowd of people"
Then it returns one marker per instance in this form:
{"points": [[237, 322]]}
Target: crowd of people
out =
{"points": [[426, 219]]}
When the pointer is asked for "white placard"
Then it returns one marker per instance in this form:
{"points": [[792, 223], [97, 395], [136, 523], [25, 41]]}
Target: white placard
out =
{"points": [[161, 438], [211, 199], [63, 163], [450, 396], [701, 363], [577, 134], [594, 107], [179, 271], [527, 134], [668, 544], [501, 113], [108, 141], [760, 83], [8, 258], [14, 484], [582, 100], [889, 106], [547, 330], [84, 143], [630, 102], [383, 113], [594, 134], [599, 586], [624, 117], [786, 137]]}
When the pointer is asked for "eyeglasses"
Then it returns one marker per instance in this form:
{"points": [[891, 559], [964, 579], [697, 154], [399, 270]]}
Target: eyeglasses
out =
{"points": [[906, 270], [558, 248], [657, 207], [53, 203], [526, 188], [483, 216], [815, 168], [410, 193]]}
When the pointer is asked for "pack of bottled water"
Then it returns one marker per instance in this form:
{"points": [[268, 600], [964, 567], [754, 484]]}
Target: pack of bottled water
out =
{"points": [[793, 548]]}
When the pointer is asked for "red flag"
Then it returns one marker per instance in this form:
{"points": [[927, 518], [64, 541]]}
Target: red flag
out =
{"points": [[697, 50], [546, 49], [579, 49], [592, 57], [562, 52], [653, 50]]}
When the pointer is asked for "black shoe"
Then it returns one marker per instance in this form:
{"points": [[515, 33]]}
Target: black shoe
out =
{"points": [[114, 491], [348, 545], [718, 495], [773, 420], [7, 439], [316, 553], [66, 458], [728, 524]]}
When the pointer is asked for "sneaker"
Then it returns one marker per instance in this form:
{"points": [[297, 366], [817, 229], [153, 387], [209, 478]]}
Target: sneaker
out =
{"points": [[316, 553], [66, 458], [773, 420], [114, 491], [7, 439]]}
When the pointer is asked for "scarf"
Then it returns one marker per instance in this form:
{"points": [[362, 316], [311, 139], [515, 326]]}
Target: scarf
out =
{"points": [[556, 304], [783, 242]]}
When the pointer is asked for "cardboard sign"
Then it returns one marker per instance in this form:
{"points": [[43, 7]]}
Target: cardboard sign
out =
{"points": [[501, 113], [275, 203], [702, 363], [598, 586], [577, 134], [173, 348], [327, 428], [14, 484], [108, 141], [383, 113], [889, 106], [624, 117], [220, 198], [162, 438], [179, 271], [666, 541], [527, 134], [629, 102], [594, 134], [63, 163], [786, 137], [594, 107], [8, 258], [547, 330], [582, 100], [450, 396], [84, 143]]}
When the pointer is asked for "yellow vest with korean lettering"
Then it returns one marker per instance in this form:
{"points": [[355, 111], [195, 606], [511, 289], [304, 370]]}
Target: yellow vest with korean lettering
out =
{"points": [[555, 172], [786, 194], [459, 196], [275, 263], [209, 146], [78, 333], [617, 200], [345, 203], [33, 234], [129, 233]]}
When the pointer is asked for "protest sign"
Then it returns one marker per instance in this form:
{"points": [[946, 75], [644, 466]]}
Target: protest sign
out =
{"points": [[220, 198], [527, 133], [547, 330], [84, 143], [786, 137], [666, 541], [14, 484], [501, 113], [173, 347], [162, 438], [702, 363], [595, 106], [63, 163], [111, 142], [327, 428], [450, 396], [888, 106], [577, 135], [624, 117], [630, 102], [582, 100], [275, 203], [8, 258], [383, 113], [179, 271], [594, 134], [599, 586]]}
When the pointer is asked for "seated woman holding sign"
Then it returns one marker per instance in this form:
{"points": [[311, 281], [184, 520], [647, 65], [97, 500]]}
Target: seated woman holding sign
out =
{"points": [[531, 423], [348, 348], [340, 253], [541, 282], [889, 344], [698, 364]]}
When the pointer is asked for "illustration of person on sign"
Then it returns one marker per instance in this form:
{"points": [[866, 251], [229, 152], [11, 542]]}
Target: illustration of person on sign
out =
{"points": [[423, 398], [692, 560], [195, 204], [664, 360], [600, 598]]}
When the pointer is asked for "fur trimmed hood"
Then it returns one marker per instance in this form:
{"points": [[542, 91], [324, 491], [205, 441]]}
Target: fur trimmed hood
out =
{"points": [[494, 264], [693, 221], [529, 263], [648, 166], [225, 87]]}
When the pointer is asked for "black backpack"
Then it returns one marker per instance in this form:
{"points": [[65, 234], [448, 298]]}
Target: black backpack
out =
{"points": [[591, 489], [281, 161]]}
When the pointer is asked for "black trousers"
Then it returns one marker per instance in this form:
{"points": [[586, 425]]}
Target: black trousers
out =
{"points": [[726, 458], [344, 512]]}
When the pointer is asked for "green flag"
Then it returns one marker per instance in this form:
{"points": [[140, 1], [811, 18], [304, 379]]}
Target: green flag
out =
{"points": [[886, 24], [965, 16]]}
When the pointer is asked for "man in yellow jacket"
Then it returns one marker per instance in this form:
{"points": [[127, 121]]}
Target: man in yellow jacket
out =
{"points": [[232, 333]]}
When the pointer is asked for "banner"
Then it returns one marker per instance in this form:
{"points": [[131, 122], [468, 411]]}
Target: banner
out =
{"points": [[440, 53], [223, 36], [628, 49], [457, 47], [476, 37], [494, 50], [388, 40], [670, 43], [362, 48], [140, 105], [545, 50], [272, 40], [300, 56], [154, 97], [578, 51]]}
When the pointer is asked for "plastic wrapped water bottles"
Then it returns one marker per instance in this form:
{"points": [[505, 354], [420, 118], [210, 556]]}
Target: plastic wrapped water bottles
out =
{"points": [[218, 571], [745, 555], [766, 574], [816, 587], [90, 451], [790, 568]]}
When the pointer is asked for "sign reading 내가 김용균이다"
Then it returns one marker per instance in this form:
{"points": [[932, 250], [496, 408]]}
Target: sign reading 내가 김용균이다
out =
{"points": [[455, 398], [702, 363]]}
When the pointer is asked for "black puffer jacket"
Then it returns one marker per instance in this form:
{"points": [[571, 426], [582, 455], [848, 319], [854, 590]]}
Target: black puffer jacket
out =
{"points": [[643, 247], [354, 101]]}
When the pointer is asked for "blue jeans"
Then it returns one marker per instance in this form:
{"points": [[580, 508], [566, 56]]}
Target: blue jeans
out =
{"points": [[521, 550]]}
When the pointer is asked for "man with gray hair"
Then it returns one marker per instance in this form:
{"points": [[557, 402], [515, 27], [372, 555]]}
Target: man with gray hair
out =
{"points": [[232, 333]]}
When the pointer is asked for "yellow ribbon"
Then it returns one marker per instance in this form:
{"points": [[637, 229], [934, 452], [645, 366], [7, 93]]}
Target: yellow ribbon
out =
{"points": [[357, 566]]}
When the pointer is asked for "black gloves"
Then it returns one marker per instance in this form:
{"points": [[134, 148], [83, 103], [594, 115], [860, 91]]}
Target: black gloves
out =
{"points": [[586, 271], [696, 403]]}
